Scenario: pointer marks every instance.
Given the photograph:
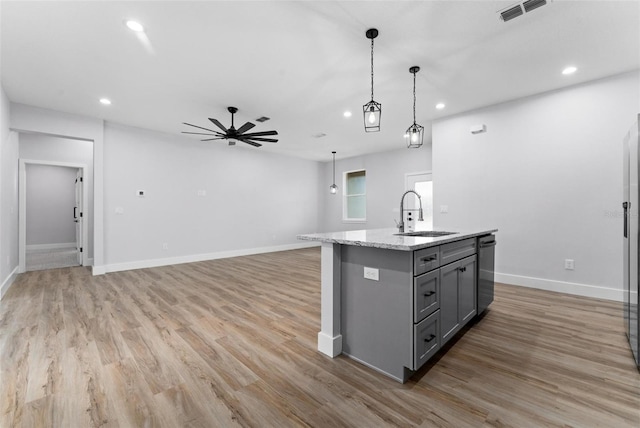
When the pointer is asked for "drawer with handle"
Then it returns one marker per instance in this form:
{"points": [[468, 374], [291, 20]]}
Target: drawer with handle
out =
{"points": [[426, 336], [426, 295], [453, 251], [425, 260]]}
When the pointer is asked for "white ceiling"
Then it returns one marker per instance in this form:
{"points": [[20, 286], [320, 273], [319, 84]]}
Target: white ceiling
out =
{"points": [[303, 63]]}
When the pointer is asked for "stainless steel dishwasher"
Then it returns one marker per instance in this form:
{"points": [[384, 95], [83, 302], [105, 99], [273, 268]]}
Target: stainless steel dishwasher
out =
{"points": [[486, 271]]}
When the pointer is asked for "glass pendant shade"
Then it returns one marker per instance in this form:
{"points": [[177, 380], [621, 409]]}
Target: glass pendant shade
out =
{"points": [[415, 133], [372, 112], [414, 136], [333, 189]]}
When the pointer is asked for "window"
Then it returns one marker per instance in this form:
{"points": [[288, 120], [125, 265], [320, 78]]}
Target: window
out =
{"points": [[355, 199]]}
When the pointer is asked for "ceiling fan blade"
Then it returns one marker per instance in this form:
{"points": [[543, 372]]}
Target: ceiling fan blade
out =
{"points": [[266, 140], [261, 134], [247, 126], [217, 138], [218, 124], [251, 142], [196, 126], [204, 133]]}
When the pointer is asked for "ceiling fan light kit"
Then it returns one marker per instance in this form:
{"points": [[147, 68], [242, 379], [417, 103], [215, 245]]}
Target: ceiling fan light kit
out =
{"points": [[232, 134], [372, 111]]}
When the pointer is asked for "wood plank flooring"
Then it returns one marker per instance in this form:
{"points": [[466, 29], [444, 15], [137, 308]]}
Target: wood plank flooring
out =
{"points": [[233, 343]]}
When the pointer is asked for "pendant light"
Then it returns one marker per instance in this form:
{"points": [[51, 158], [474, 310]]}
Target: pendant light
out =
{"points": [[372, 110], [333, 188], [415, 133]]}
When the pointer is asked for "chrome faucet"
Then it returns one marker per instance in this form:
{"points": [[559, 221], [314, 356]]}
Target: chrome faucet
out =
{"points": [[420, 218]]}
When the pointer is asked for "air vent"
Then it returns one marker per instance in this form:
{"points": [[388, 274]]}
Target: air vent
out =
{"points": [[519, 9], [512, 12], [262, 119], [529, 5]]}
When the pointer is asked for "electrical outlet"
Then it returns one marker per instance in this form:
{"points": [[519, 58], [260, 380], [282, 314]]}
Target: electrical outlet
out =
{"points": [[568, 264], [444, 209], [165, 246], [202, 192], [119, 210], [371, 273]]}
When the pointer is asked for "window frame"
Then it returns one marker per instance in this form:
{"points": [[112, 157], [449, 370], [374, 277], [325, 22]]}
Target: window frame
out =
{"points": [[345, 196]]}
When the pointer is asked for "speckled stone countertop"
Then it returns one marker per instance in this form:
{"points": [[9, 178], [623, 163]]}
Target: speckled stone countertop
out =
{"points": [[387, 238]]}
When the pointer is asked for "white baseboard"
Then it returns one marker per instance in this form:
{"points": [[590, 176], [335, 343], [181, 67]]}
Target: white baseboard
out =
{"points": [[562, 287], [51, 246], [8, 281], [143, 264]]}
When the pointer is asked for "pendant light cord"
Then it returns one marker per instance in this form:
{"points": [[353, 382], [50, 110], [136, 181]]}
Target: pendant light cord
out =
{"points": [[371, 69], [414, 98], [334, 167]]}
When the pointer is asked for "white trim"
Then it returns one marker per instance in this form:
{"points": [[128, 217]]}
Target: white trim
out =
{"points": [[8, 281], [22, 210], [143, 264], [413, 174], [50, 246], [345, 218], [585, 290], [329, 346]]}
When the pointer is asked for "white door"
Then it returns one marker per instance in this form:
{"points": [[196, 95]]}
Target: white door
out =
{"points": [[78, 215], [423, 185]]}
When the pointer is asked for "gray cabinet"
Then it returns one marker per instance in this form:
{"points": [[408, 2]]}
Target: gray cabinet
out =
{"points": [[397, 322], [467, 289], [457, 296]]}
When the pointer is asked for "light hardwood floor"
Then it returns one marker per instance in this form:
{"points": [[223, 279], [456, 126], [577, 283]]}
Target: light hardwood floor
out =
{"points": [[233, 343]]}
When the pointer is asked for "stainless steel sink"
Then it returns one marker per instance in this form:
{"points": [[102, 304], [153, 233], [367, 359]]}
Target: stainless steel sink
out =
{"points": [[427, 233]]}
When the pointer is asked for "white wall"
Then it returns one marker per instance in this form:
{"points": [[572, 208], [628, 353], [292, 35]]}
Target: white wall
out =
{"points": [[46, 148], [8, 197], [385, 186], [254, 200], [50, 199], [548, 174]]}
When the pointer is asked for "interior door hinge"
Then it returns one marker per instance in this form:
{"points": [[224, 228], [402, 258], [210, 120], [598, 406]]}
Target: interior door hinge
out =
{"points": [[80, 179], [80, 249], [80, 214]]}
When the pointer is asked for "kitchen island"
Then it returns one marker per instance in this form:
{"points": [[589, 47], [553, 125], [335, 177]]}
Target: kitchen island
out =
{"points": [[390, 301]]}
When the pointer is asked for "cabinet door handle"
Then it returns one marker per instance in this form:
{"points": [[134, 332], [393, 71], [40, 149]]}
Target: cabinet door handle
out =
{"points": [[462, 269], [431, 337], [429, 258], [430, 293]]}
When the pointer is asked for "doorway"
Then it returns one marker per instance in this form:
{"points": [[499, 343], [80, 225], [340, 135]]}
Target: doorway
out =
{"points": [[52, 230], [421, 183]]}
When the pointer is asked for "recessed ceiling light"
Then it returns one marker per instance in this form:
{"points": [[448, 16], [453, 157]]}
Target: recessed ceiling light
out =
{"points": [[105, 101], [440, 106], [135, 26], [347, 114], [569, 70]]}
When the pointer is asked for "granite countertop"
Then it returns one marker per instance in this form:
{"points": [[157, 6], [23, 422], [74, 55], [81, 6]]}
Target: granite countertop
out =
{"points": [[386, 238]]}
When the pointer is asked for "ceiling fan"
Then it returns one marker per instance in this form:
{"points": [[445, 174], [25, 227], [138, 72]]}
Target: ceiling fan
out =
{"points": [[232, 134]]}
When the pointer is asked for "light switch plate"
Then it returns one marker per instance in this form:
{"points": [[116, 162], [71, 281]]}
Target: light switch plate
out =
{"points": [[371, 273]]}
